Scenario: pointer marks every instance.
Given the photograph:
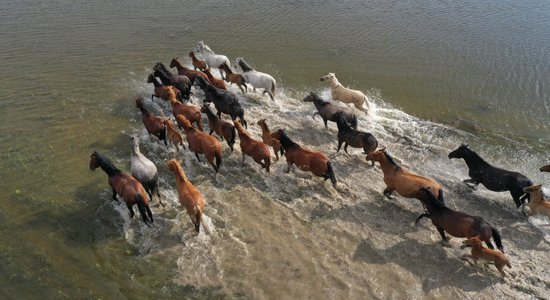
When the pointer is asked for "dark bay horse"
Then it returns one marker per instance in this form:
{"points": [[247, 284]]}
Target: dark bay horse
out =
{"points": [[235, 78], [455, 223], [191, 74], [493, 178], [153, 123], [125, 185], [305, 159], [327, 110], [224, 129], [352, 137], [181, 82]]}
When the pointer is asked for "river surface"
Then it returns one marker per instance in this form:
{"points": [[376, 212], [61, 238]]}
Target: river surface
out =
{"points": [[442, 73]]}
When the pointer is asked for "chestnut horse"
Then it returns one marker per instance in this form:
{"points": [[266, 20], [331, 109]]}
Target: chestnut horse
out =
{"points": [[219, 83], [181, 82], [125, 185], [190, 197], [154, 124], [401, 180], [537, 205], [268, 138], [306, 160], [456, 223], [173, 134], [190, 111], [202, 143], [235, 78], [191, 74], [166, 92], [224, 129], [253, 148], [352, 137], [197, 63]]}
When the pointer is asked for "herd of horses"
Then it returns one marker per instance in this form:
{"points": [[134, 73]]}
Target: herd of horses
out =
{"points": [[142, 185]]}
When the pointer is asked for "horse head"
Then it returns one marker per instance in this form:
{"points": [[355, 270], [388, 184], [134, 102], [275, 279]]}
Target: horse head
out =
{"points": [[174, 62], [135, 143], [244, 66], [183, 121], [94, 160], [312, 97], [375, 155], [329, 77], [460, 152], [200, 82], [470, 242], [545, 168], [200, 46], [205, 108], [139, 102]]}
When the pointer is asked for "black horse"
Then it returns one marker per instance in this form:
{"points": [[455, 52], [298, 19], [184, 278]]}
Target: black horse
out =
{"points": [[327, 110], [493, 178], [224, 101], [456, 223], [352, 137], [181, 82]]}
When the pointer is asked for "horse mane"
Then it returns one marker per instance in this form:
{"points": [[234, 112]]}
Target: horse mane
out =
{"points": [[244, 65], [390, 159], [476, 156], [432, 199], [286, 142], [179, 170], [106, 164]]}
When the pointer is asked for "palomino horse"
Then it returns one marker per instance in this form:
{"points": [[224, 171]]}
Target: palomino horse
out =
{"points": [[537, 204], [480, 252], [257, 79], [202, 143], [306, 160], [268, 138], [456, 223], [494, 179], [166, 92], [401, 180], [191, 74], [190, 111], [125, 185], [174, 135], [181, 82], [224, 101], [545, 168], [341, 93], [212, 59], [197, 63], [327, 110], [154, 124], [352, 137], [235, 78], [145, 171], [224, 129], [219, 83], [190, 197], [253, 148]]}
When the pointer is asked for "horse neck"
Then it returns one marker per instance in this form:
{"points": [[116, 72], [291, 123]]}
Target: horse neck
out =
{"points": [[387, 166], [241, 131], [211, 116], [155, 82], [432, 204], [245, 66], [135, 149], [109, 168], [318, 102], [334, 83], [264, 127], [287, 143], [178, 65], [473, 160], [227, 69], [180, 174]]}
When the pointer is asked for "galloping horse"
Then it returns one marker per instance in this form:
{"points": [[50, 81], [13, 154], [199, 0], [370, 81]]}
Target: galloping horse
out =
{"points": [[224, 101], [173, 134], [268, 139], [222, 128], [191, 74], [456, 223], [197, 63], [494, 179], [257, 79], [212, 59], [327, 110], [537, 204], [219, 83], [306, 160], [181, 82], [253, 148], [235, 78], [125, 185], [352, 137], [190, 197], [401, 180], [202, 143], [154, 124], [190, 111], [166, 92], [339, 92], [144, 170], [480, 252]]}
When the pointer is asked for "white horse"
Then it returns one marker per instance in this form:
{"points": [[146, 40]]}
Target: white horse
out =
{"points": [[346, 95], [144, 170], [212, 59], [257, 79]]}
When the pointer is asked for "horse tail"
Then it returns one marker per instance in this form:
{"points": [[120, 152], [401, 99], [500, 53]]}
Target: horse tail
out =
{"points": [[233, 135], [164, 135], [354, 122], [273, 86], [144, 210], [498, 241], [440, 197], [330, 172], [198, 217], [218, 160]]}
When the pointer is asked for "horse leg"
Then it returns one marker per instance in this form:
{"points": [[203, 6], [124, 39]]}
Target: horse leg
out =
{"points": [[516, 195], [288, 167], [315, 113], [387, 192], [211, 130], [240, 87], [131, 210], [243, 156], [424, 215], [465, 257], [442, 233], [489, 244], [346, 147], [470, 180], [276, 150], [114, 195], [339, 145], [325, 121], [271, 95], [197, 155]]}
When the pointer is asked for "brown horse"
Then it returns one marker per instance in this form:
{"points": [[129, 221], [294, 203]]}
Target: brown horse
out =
{"points": [[173, 134], [354, 138], [197, 63], [191, 74], [537, 204], [456, 223], [190, 111], [235, 78], [190, 197], [306, 160], [224, 129], [154, 124], [545, 168], [480, 252], [268, 138], [401, 180], [253, 148], [125, 185], [166, 92], [219, 83], [202, 143]]}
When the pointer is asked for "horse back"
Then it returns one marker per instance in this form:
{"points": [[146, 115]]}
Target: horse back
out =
{"points": [[127, 187]]}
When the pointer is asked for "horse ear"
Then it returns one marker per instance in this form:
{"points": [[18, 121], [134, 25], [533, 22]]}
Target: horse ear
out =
{"points": [[383, 149]]}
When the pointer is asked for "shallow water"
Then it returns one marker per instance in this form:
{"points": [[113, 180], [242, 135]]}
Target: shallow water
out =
{"points": [[440, 73]]}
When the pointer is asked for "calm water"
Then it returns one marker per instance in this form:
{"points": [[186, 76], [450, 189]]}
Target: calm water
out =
{"points": [[442, 73]]}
